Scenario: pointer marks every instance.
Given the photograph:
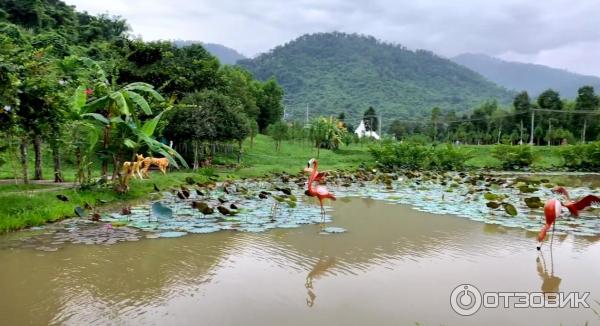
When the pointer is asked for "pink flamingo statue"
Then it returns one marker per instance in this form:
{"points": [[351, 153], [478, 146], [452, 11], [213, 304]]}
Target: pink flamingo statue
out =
{"points": [[553, 210], [320, 192]]}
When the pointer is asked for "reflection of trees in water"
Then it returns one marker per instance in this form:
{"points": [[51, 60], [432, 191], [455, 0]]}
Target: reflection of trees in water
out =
{"points": [[81, 281], [318, 271]]}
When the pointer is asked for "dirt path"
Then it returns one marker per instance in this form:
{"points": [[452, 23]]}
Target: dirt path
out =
{"points": [[49, 183]]}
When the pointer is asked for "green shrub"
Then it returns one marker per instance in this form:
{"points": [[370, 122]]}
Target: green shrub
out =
{"points": [[573, 156], [393, 155], [513, 157], [450, 158], [581, 157]]}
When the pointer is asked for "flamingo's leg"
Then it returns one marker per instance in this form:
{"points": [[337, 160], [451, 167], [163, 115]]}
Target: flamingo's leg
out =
{"points": [[322, 213]]}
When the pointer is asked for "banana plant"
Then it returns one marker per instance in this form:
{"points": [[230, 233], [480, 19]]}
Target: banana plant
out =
{"points": [[116, 104]]}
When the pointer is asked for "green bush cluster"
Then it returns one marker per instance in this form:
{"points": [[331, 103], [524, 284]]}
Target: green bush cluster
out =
{"points": [[513, 157], [392, 155], [581, 157]]}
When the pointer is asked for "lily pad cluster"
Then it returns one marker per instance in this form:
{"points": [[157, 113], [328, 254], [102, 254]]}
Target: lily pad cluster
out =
{"points": [[257, 205]]}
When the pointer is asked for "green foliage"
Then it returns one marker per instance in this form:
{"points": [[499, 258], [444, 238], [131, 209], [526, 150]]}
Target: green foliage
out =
{"points": [[581, 157], [269, 101], [216, 117], [550, 99], [333, 71], [370, 119], [393, 155], [326, 133], [279, 131], [513, 156]]}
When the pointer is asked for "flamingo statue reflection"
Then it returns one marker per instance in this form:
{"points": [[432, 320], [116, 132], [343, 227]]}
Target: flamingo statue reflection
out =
{"points": [[320, 192], [553, 210]]}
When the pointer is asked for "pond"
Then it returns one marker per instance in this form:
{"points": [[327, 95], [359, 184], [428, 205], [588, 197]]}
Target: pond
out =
{"points": [[397, 263]]}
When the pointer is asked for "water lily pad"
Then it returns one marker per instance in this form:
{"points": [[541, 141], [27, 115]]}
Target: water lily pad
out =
{"points": [[492, 197], [492, 204], [333, 229], [172, 234], [533, 202], [118, 223], [510, 209], [207, 229], [161, 211], [79, 211]]}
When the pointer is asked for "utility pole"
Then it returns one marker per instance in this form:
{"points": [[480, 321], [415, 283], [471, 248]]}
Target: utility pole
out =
{"points": [[583, 131], [307, 114], [532, 124], [521, 139], [549, 131], [379, 126]]}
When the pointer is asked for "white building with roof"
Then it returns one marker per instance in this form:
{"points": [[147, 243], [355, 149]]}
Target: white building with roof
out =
{"points": [[361, 131]]}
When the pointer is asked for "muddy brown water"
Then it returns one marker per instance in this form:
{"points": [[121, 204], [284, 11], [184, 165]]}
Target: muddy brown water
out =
{"points": [[394, 266]]}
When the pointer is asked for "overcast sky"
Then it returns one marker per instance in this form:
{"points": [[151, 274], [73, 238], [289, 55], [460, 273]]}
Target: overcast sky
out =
{"points": [[558, 33]]}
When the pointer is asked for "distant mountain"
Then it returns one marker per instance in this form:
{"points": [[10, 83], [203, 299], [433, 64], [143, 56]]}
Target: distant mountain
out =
{"points": [[526, 76], [225, 54], [337, 72]]}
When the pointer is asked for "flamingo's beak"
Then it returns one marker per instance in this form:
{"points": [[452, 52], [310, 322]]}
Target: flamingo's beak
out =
{"points": [[309, 170]]}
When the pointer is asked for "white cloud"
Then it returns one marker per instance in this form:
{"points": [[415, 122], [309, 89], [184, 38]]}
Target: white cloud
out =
{"points": [[555, 32]]}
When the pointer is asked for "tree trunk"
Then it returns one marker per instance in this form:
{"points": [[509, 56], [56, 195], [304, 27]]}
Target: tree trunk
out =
{"points": [[24, 160], [78, 163], [37, 148], [195, 144], [499, 133], [106, 140], [240, 151], [57, 163], [116, 168]]}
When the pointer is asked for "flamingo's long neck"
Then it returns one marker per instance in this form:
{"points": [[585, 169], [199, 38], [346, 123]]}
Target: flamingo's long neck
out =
{"points": [[312, 177]]}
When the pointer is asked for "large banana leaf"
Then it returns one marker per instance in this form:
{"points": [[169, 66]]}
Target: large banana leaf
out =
{"points": [[146, 88], [96, 116], [150, 125], [120, 103], [95, 105], [96, 67], [139, 101], [78, 100]]}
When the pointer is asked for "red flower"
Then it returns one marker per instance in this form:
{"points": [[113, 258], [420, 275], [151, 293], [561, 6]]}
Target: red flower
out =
{"points": [[89, 91]]}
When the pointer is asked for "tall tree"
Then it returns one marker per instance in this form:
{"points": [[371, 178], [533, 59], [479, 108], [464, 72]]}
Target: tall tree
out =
{"points": [[522, 106], [586, 101], [550, 100], [370, 119], [435, 121], [270, 103]]}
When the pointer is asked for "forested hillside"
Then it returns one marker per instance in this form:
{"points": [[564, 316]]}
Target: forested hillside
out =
{"points": [[525, 76], [337, 72]]}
